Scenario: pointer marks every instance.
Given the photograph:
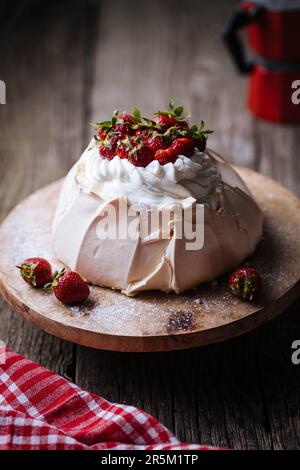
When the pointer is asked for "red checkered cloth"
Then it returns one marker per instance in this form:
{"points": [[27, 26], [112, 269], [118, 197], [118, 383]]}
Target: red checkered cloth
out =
{"points": [[40, 410]]}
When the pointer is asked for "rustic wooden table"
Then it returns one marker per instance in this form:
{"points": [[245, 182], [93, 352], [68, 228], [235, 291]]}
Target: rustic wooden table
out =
{"points": [[67, 64]]}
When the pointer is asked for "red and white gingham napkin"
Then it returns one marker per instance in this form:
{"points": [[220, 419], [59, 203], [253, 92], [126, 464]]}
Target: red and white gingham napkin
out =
{"points": [[40, 410]]}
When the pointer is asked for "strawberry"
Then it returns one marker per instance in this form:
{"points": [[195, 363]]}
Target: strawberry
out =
{"points": [[183, 146], [69, 287], [172, 117], [200, 144], [199, 135], [165, 121], [106, 152], [139, 154], [108, 148], [156, 143], [36, 271], [102, 133], [119, 124], [165, 156], [114, 140], [142, 155], [127, 118], [245, 282], [143, 134], [124, 127], [123, 130], [122, 150]]}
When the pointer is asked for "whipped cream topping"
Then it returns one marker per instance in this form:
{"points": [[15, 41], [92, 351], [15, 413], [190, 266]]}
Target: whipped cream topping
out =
{"points": [[196, 177]]}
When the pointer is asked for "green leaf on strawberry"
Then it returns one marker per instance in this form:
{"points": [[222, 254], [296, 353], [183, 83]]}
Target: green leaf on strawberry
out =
{"points": [[137, 114]]}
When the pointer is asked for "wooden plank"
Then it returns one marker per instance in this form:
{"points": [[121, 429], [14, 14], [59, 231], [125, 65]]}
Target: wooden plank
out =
{"points": [[41, 130], [280, 378], [228, 402], [277, 149]]}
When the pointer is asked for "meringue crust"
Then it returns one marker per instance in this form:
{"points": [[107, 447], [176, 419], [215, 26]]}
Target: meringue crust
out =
{"points": [[232, 225]]}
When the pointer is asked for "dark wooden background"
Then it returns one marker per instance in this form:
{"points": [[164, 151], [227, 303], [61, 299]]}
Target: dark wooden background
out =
{"points": [[68, 63]]}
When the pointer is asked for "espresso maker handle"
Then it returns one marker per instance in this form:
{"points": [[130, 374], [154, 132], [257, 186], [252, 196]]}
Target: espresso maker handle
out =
{"points": [[239, 20]]}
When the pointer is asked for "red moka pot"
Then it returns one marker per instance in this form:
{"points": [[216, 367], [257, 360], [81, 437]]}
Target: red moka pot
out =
{"points": [[273, 29]]}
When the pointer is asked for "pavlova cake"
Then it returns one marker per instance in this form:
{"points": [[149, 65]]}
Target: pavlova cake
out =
{"points": [[153, 165]]}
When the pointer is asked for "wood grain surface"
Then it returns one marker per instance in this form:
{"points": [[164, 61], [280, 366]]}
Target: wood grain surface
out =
{"points": [[69, 63]]}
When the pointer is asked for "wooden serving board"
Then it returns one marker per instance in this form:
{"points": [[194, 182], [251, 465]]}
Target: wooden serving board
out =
{"points": [[155, 321]]}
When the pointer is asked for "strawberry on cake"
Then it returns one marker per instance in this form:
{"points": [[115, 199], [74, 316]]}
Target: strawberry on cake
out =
{"points": [[153, 163]]}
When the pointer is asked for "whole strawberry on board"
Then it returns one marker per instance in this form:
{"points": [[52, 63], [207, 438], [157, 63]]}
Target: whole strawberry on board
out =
{"points": [[36, 271], [245, 282], [69, 287]]}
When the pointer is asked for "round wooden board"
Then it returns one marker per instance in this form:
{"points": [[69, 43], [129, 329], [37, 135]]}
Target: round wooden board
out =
{"points": [[154, 321]]}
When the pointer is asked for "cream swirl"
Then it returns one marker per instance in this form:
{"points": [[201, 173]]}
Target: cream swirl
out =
{"points": [[196, 177]]}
